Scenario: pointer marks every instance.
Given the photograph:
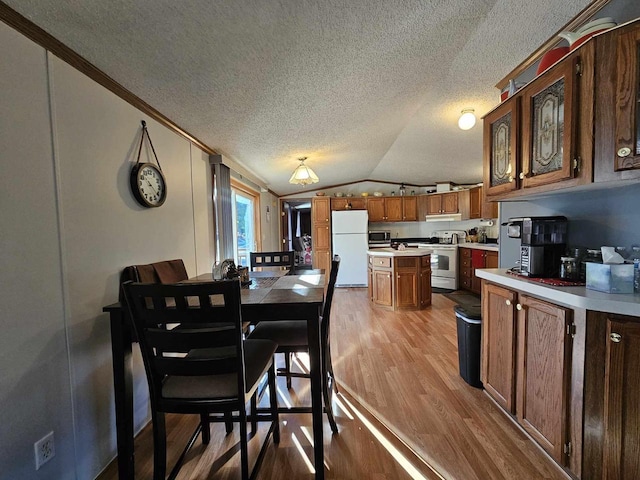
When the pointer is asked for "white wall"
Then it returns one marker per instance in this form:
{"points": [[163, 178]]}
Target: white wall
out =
{"points": [[69, 226]]}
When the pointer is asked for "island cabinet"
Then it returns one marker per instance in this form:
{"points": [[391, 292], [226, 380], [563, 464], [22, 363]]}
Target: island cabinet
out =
{"points": [[400, 282], [321, 232], [541, 138], [526, 364], [617, 123], [392, 209]]}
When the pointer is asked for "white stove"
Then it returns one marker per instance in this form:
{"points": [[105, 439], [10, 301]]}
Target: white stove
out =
{"points": [[444, 259]]}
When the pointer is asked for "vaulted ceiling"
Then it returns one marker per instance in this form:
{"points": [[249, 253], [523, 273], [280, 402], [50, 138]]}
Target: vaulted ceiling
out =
{"points": [[365, 89]]}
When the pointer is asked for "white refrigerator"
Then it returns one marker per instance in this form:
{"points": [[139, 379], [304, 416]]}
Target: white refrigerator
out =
{"points": [[351, 241]]}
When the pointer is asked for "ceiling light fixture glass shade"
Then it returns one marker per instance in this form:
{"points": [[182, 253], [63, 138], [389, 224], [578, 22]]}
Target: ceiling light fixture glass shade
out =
{"points": [[303, 175], [467, 120]]}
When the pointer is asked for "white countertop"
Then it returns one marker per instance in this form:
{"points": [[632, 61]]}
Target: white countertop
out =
{"points": [[579, 297], [390, 252], [491, 247]]}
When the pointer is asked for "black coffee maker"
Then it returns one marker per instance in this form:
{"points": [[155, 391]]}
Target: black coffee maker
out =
{"points": [[543, 241]]}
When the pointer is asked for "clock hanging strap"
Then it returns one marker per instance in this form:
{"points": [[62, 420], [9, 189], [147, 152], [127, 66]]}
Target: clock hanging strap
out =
{"points": [[146, 132]]}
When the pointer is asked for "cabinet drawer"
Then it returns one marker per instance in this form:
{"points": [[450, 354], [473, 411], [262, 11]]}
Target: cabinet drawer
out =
{"points": [[465, 262], [425, 261], [381, 262], [465, 282], [465, 252]]}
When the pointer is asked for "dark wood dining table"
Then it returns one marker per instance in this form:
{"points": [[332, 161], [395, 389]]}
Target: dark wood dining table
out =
{"points": [[272, 295]]}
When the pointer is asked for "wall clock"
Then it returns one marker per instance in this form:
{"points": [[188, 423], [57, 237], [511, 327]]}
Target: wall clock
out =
{"points": [[148, 184]]}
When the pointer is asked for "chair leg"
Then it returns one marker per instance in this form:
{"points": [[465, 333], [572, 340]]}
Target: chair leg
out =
{"points": [[254, 412], [244, 454], [287, 366], [330, 369], [206, 430], [328, 404], [228, 422], [159, 446], [273, 403]]}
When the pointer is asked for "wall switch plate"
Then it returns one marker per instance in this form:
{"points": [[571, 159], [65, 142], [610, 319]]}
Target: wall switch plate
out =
{"points": [[44, 450]]}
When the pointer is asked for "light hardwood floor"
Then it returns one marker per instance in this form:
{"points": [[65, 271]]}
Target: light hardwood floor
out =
{"points": [[402, 399]]}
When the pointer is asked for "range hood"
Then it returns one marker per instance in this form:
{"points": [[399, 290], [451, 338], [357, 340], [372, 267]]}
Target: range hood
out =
{"points": [[451, 217]]}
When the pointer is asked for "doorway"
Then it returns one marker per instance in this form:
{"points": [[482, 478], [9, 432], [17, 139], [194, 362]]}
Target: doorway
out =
{"points": [[296, 230]]}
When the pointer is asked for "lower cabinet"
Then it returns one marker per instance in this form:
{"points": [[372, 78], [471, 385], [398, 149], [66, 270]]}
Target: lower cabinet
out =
{"points": [[526, 363], [469, 260], [403, 283]]}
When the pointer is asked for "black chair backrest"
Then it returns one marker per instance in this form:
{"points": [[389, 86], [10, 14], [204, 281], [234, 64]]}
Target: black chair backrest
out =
{"points": [[326, 308], [206, 315], [272, 259]]}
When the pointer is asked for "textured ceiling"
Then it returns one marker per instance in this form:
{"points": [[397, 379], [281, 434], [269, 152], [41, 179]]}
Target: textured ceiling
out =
{"points": [[365, 89]]}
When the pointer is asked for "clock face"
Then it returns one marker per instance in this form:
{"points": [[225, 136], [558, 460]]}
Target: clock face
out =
{"points": [[148, 185]]}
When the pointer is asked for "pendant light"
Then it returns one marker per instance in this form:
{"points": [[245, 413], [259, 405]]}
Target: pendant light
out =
{"points": [[303, 175]]}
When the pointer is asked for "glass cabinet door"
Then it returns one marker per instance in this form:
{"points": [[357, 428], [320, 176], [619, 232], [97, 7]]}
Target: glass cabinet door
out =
{"points": [[627, 154], [500, 148], [549, 114]]}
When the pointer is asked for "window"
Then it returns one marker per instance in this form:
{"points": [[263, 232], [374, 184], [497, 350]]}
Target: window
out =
{"points": [[246, 225]]}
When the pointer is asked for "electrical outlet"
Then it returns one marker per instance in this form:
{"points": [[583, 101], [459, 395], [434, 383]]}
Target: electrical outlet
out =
{"points": [[44, 450]]}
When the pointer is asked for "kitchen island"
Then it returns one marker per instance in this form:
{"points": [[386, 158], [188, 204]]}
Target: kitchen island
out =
{"points": [[400, 279]]}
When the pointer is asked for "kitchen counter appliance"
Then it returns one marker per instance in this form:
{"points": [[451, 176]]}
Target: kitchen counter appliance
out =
{"points": [[379, 237], [542, 244]]}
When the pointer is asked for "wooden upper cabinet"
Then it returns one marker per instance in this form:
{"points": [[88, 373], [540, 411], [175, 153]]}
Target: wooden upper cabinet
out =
{"points": [[475, 202], [549, 124], [442, 203], [321, 210], [617, 122], [348, 203], [376, 210], [410, 209], [544, 369], [542, 138], [393, 209], [627, 154], [501, 147]]}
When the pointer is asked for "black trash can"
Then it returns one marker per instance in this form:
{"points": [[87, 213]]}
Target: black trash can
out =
{"points": [[469, 320]]}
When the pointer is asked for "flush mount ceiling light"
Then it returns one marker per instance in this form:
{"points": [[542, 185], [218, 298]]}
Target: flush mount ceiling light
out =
{"points": [[303, 175], [467, 120]]}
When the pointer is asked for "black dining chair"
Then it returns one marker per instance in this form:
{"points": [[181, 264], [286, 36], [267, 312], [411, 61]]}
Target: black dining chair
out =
{"points": [[272, 259], [197, 362], [291, 337]]}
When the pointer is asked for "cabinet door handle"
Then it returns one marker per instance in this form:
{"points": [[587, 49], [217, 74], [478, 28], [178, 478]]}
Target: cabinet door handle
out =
{"points": [[521, 175], [510, 178], [508, 302], [615, 337], [518, 307]]}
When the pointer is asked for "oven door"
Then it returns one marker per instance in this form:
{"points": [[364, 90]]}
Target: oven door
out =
{"points": [[444, 262]]}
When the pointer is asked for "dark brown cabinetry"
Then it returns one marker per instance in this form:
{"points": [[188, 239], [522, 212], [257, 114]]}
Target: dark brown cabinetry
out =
{"points": [[541, 139], [321, 234], [617, 122], [526, 363], [544, 365]]}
